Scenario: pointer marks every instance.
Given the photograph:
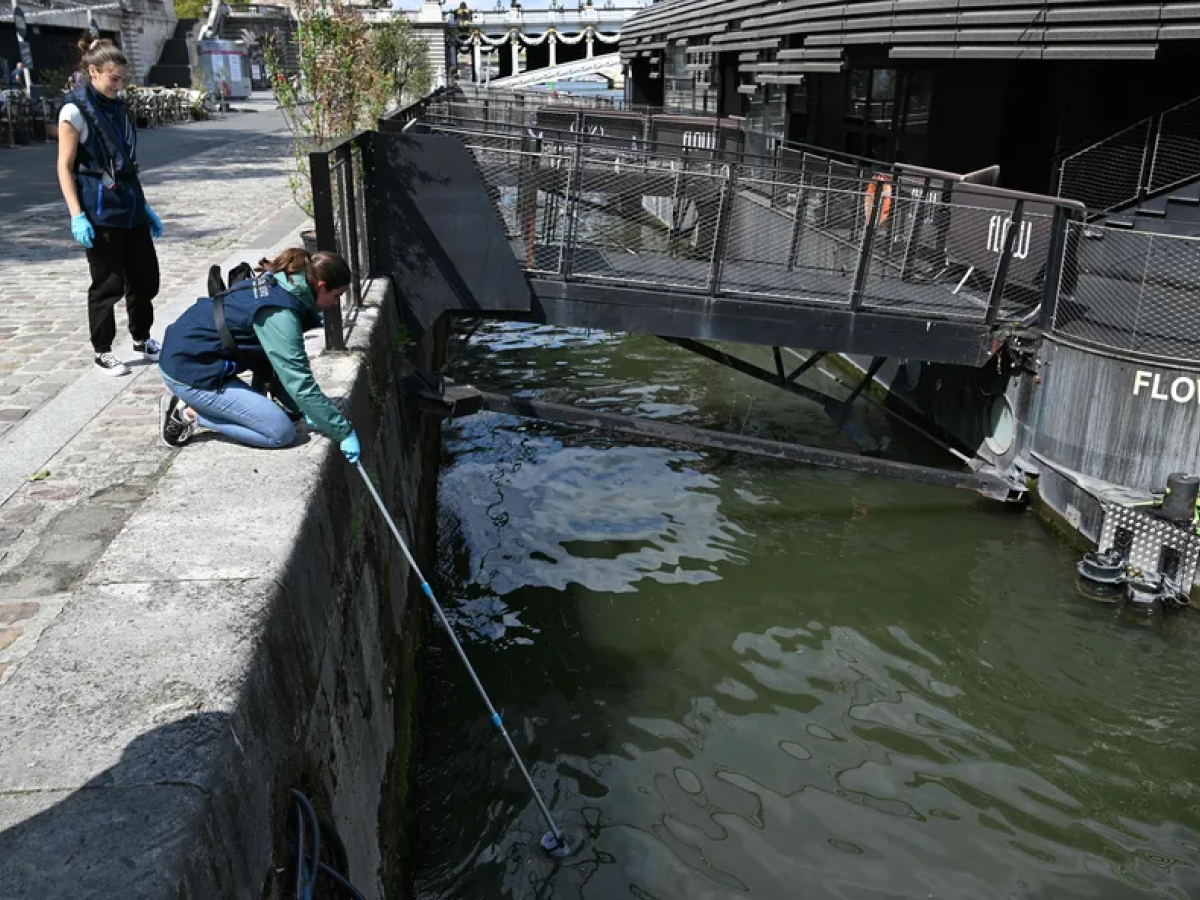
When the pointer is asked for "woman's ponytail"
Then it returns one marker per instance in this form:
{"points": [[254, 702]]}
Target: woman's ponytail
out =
{"points": [[98, 52]]}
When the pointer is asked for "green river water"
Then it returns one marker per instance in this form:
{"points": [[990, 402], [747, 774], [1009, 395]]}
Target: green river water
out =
{"points": [[738, 678]]}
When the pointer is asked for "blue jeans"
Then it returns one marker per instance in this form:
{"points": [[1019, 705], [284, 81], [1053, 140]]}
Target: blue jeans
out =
{"points": [[237, 412]]}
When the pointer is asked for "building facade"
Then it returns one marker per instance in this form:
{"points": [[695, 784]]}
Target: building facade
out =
{"points": [[959, 86]]}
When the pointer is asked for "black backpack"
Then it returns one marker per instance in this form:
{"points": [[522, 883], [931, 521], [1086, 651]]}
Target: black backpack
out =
{"points": [[218, 290]]}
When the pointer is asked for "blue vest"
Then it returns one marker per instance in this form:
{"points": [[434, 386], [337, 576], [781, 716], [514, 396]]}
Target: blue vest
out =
{"points": [[106, 171], [192, 351]]}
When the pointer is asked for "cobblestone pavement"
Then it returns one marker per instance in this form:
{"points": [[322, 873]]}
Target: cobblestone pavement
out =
{"points": [[54, 529], [56, 525], [209, 203]]}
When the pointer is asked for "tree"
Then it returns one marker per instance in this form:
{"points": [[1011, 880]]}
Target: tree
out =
{"points": [[341, 86], [191, 9], [403, 53]]}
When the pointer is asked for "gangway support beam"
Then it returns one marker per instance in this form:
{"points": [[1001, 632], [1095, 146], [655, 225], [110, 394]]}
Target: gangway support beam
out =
{"points": [[834, 408], [990, 484], [788, 383]]}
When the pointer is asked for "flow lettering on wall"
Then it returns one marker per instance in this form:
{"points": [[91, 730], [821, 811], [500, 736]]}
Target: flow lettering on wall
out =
{"points": [[700, 140], [1180, 389], [998, 228]]}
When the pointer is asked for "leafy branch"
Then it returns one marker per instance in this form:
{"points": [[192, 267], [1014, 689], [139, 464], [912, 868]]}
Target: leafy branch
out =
{"points": [[348, 74]]}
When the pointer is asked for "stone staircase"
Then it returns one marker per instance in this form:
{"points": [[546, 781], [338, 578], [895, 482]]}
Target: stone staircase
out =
{"points": [[174, 68]]}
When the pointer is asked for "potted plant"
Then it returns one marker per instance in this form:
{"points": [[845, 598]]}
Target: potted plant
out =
{"points": [[348, 74]]}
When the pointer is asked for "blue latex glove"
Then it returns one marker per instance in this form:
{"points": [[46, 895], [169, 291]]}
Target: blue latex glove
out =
{"points": [[351, 449], [82, 230], [155, 223]]}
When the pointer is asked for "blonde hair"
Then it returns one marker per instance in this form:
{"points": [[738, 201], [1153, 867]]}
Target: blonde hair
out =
{"points": [[99, 52]]}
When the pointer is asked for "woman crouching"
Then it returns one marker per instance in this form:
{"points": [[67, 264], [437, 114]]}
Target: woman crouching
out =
{"points": [[257, 325]]}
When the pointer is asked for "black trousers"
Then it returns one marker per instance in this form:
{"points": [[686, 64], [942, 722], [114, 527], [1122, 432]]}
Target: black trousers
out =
{"points": [[123, 264]]}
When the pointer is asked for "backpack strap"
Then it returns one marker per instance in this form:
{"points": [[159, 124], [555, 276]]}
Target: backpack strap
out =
{"points": [[262, 370], [216, 284]]}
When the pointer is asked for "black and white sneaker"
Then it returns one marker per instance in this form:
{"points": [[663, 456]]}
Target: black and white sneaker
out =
{"points": [[110, 365], [149, 348], [174, 427]]}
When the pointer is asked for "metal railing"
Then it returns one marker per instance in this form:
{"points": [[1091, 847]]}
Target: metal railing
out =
{"points": [[725, 139], [684, 204], [816, 230], [1149, 157], [531, 101], [343, 208], [341, 215], [1131, 293]]}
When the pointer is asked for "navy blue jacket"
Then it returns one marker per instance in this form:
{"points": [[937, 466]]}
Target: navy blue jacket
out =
{"points": [[192, 351], [106, 171]]}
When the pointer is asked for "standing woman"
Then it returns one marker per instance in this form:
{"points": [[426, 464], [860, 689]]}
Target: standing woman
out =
{"points": [[98, 175]]}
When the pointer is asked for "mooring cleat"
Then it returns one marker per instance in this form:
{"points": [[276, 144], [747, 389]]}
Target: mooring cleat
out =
{"points": [[555, 845]]}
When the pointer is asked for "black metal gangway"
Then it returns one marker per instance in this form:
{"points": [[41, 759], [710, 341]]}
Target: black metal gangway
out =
{"points": [[636, 221], [633, 220]]}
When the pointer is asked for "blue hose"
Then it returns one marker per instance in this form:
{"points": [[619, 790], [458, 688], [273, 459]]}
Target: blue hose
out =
{"points": [[308, 859]]}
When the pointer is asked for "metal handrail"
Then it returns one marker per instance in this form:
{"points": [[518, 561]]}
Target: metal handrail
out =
{"points": [[659, 149], [1148, 158], [645, 147], [917, 246]]}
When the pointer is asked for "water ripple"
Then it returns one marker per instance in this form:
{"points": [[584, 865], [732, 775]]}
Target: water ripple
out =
{"points": [[739, 679]]}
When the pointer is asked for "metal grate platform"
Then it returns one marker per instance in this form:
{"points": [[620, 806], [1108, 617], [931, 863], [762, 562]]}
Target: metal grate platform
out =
{"points": [[1152, 545]]}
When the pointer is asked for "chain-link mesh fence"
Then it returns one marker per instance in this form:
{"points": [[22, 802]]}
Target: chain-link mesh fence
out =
{"points": [[815, 232], [1131, 291], [1177, 149], [935, 270], [806, 252], [647, 224], [1108, 174], [528, 189]]}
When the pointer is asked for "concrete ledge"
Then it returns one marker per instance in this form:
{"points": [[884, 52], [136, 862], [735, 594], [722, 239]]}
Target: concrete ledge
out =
{"points": [[247, 632]]}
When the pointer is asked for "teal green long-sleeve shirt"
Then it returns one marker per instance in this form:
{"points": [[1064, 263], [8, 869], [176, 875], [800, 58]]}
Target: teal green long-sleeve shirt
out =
{"points": [[282, 338]]}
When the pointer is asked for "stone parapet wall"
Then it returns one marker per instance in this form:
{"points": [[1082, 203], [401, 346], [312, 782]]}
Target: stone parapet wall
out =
{"points": [[251, 629]]}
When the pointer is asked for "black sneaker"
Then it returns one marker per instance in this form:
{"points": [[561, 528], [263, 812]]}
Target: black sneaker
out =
{"points": [[173, 426], [110, 365], [149, 348]]}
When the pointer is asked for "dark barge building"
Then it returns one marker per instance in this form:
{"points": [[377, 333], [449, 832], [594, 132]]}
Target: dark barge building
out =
{"points": [[952, 85], [1088, 101], [991, 210]]}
